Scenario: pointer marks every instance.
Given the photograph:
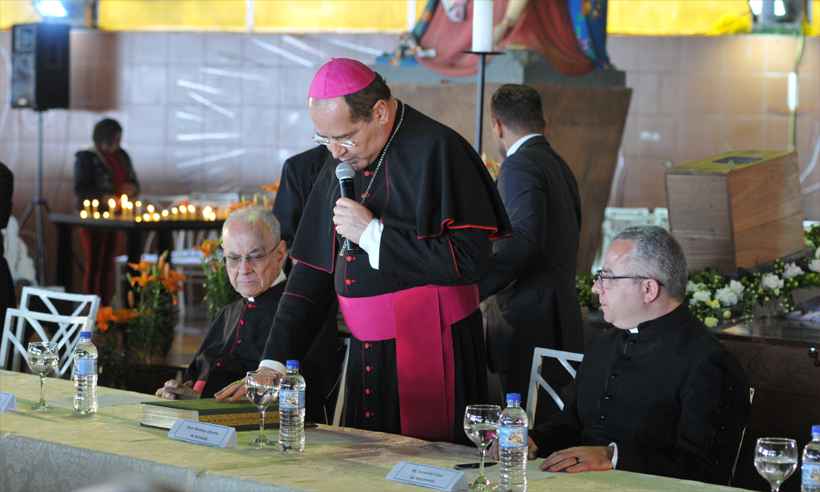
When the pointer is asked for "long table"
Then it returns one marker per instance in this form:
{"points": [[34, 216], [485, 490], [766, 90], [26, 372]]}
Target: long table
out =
{"points": [[57, 451]]}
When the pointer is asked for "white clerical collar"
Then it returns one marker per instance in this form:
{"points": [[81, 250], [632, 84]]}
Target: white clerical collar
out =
{"points": [[281, 278], [634, 331], [518, 143]]}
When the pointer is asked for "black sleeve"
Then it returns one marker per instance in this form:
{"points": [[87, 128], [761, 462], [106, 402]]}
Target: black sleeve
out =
{"points": [[525, 201], [6, 192], [199, 363], [302, 310], [289, 202], [452, 258], [700, 406], [85, 184], [563, 430]]}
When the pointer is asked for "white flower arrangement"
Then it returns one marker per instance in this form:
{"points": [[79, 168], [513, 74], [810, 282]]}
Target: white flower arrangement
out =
{"points": [[726, 296], [736, 287], [791, 270], [704, 296], [772, 282], [814, 265]]}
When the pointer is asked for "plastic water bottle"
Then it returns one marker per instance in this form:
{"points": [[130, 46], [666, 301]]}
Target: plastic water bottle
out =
{"points": [[84, 375], [810, 481], [512, 444], [292, 410]]}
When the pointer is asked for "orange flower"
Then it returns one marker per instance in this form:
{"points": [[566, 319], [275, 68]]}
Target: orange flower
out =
{"points": [[142, 266], [209, 247], [271, 187], [142, 280], [104, 316], [124, 315]]}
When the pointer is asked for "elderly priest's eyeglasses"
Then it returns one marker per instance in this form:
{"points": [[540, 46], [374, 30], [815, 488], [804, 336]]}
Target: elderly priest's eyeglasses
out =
{"points": [[604, 279], [233, 261], [327, 141]]}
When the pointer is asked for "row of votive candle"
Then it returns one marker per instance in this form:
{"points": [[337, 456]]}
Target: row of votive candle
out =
{"points": [[128, 210]]}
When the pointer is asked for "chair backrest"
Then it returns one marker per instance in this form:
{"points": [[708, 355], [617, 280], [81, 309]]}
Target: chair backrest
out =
{"points": [[742, 435], [538, 381], [62, 308], [14, 335]]}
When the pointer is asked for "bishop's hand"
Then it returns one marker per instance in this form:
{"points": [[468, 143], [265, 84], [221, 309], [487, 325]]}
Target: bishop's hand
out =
{"points": [[351, 218]]}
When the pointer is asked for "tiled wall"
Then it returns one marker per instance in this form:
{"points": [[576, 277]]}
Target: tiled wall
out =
{"points": [[221, 112], [694, 97]]}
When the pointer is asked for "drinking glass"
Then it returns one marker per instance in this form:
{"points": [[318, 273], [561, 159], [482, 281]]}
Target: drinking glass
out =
{"points": [[43, 360], [775, 459], [481, 426], [261, 389]]}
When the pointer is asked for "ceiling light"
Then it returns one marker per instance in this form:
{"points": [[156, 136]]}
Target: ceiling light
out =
{"points": [[50, 8]]}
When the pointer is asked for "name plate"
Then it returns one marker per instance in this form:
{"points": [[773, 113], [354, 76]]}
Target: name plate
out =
{"points": [[204, 434], [431, 477], [8, 402]]}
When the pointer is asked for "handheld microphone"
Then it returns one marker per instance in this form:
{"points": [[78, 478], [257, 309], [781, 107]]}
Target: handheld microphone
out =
{"points": [[347, 189]]}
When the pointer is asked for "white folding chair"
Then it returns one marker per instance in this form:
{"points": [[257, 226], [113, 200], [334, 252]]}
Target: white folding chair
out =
{"points": [[538, 381], [342, 382], [46, 301], [66, 336]]}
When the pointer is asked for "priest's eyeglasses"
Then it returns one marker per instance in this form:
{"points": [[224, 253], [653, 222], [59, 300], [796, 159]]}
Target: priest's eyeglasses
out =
{"points": [[605, 279], [327, 141], [233, 261]]}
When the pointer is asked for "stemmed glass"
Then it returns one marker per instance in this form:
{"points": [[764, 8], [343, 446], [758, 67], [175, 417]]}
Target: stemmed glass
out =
{"points": [[481, 426], [775, 459], [261, 389], [43, 360]]}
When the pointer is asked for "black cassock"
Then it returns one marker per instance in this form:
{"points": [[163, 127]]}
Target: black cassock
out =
{"points": [[7, 297], [439, 209], [234, 345]]}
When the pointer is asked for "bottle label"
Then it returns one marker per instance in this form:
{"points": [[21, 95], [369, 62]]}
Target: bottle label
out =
{"points": [[291, 399], [512, 437], [85, 367], [811, 475]]}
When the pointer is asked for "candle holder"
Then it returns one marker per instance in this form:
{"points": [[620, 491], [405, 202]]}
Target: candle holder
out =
{"points": [[479, 95]]}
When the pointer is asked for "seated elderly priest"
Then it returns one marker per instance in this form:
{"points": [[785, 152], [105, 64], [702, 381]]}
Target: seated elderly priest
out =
{"points": [[253, 255], [658, 394]]}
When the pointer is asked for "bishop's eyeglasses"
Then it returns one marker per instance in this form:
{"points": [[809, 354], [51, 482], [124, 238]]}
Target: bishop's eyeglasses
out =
{"points": [[605, 279], [327, 141]]}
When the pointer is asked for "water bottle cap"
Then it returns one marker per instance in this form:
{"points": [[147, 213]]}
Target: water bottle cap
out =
{"points": [[815, 429], [292, 364], [85, 335], [516, 397]]}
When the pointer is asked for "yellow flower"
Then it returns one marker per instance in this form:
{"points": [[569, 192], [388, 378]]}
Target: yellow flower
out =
{"points": [[710, 322]]}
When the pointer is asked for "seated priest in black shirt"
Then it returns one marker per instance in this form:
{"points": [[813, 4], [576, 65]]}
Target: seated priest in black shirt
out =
{"points": [[253, 254], [658, 394]]}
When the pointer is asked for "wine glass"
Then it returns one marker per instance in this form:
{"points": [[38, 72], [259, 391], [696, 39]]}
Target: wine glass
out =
{"points": [[775, 459], [481, 426], [261, 389], [43, 360]]}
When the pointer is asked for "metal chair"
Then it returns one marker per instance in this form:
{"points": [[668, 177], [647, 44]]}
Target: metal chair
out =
{"points": [[338, 411], [537, 380], [66, 336], [61, 307]]}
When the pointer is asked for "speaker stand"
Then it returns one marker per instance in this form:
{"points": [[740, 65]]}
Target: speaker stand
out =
{"points": [[39, 207]]}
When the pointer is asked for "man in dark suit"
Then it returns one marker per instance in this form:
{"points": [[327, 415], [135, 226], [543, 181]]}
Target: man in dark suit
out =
{"points": [[658, 394], [532, 273]]}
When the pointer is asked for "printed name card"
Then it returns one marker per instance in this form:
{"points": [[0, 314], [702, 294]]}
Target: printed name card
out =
{"points": [[204, 434], [431, 477], [8, 402]]}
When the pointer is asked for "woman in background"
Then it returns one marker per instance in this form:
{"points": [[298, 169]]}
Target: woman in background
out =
{"points": [[102, 172]]}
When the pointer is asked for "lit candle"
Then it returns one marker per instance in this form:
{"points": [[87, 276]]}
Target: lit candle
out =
{"points": [[139, 207], [482, 25], [174, 213], [155, 216], [86, 207], [150, 208], [146, 217], [106, 215], [192, 211], [83, 214], [96, 214], [137, 219], [165, 214], [95, 204], [112, 206]]}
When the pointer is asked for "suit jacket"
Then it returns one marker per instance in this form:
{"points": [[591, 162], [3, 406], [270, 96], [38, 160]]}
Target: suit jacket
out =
{"points": [[671, 398], [298, 175], [532, 273]]}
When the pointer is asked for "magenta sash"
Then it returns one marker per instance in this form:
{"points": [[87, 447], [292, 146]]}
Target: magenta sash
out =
{"points": [[420, 320]]}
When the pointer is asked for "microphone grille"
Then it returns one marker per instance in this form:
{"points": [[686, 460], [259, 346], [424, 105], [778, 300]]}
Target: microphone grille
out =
{"points": [[344, 171]]}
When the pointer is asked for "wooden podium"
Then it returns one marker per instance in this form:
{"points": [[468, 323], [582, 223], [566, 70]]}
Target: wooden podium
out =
{"points": [[736, 210]]}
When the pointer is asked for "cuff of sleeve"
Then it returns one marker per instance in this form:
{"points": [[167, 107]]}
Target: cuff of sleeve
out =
{"points": [[613, 448], [273, 365], [371, 241]]}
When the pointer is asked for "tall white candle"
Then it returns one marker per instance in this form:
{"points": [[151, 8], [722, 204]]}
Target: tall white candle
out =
{"points": [[482, 25]]}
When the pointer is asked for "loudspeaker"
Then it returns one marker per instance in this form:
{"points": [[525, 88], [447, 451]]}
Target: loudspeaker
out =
{"points": [[40, 66]]}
